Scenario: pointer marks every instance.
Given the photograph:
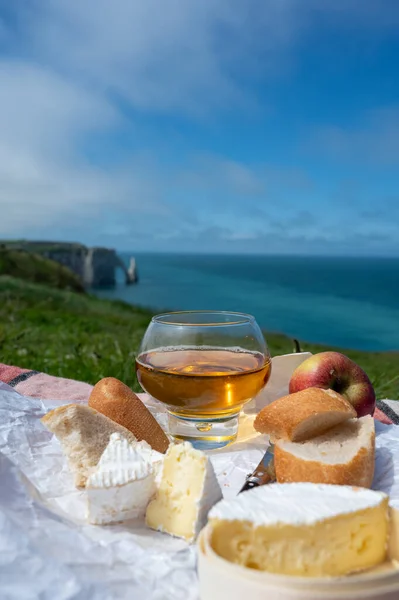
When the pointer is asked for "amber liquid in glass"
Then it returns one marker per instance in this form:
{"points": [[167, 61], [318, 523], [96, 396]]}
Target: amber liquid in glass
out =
{"points": [[203, 383]]}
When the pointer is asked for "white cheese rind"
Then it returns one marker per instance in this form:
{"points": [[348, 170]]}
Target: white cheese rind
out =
{"points": [[121, 503], [123, 461], [123, 482], [295, 504]]}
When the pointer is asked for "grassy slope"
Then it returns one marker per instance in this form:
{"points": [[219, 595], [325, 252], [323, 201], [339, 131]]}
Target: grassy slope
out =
{"points": [[41, 247], [35, 268], [82, 337]]}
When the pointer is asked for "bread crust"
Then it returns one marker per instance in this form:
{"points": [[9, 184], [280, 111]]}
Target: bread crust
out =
{"points": [[118, 402], [357, 472], [84, 434], [303, 415]]}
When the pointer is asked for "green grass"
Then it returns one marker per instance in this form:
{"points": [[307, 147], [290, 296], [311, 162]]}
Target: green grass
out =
{"points": [[41, 247], [82, 337], [37, 269]]}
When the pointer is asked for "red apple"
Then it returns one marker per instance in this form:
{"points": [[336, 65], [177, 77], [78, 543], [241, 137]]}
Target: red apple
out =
{"points": [[335, 371]]}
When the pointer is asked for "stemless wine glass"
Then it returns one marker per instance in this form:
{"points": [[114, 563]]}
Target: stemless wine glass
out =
{"points": [[203, 366]]}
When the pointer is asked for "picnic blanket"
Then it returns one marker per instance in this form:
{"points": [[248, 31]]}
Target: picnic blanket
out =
{"points": [[47, 387]]}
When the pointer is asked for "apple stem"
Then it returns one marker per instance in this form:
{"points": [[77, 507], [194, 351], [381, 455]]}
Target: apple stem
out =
{"points": [[297, 346]]}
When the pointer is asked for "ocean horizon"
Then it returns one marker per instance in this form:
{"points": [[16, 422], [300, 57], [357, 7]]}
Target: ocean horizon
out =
{"points": [[346, 302]]}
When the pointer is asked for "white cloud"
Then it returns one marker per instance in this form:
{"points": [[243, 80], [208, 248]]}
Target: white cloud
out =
{"points": [[43, 180], [38, 106], [186, 55], [69, 67], [162, 55]]}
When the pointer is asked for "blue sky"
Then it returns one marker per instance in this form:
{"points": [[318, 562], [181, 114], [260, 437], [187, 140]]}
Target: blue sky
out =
{"points": [[202, 125]]}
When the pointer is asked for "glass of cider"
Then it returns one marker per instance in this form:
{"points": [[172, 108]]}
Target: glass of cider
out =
{"points": [[203, 366]]}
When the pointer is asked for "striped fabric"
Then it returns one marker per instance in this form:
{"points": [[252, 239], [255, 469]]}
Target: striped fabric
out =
{"points": [[47, 387]]}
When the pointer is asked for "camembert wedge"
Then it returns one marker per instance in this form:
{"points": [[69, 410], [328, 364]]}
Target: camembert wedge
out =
{"points": [[302, 529], [187, 491], [124, 481]]}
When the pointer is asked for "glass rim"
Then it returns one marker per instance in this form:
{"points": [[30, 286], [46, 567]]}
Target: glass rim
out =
{"points": [[237, 318]]}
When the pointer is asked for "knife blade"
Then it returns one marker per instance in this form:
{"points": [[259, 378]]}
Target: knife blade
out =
{"points": [[264, 472]]}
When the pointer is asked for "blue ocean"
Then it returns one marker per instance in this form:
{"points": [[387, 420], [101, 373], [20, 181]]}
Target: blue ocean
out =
{"points": [[346, 302]]}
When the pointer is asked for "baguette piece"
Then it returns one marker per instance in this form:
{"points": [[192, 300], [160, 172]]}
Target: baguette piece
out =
{"points": [[303, 415], [118, 402], [84, 433], [345, 455]]}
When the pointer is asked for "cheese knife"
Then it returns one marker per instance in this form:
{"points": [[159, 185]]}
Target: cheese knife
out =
{"points": [[264, 472]]}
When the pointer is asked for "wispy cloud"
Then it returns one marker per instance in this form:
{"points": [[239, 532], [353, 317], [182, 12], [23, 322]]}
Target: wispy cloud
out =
{"points": [[42, 183], [280, 239], [76, 71], [375, 140], [158, 55]]}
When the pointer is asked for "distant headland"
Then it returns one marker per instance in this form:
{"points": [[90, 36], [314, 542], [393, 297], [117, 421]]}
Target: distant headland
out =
{"points": [[96, 267]]}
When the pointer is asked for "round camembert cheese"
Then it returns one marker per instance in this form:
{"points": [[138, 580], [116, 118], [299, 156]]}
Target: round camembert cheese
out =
{"points": [[302, 529]]}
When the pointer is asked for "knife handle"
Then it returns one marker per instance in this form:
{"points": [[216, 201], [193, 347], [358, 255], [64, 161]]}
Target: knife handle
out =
{"points": [[260, 477]]}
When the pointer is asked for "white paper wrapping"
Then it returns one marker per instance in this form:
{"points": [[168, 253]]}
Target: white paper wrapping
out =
{"points": [[48, 551]]}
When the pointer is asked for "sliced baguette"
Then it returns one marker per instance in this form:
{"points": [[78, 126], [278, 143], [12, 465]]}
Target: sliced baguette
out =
{"points": [[118, 402], [303, 415], [343, 456], [84, 434]]}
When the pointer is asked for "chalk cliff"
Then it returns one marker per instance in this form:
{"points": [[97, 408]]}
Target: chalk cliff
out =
{"points": [[96, 267], [100, 265]]}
